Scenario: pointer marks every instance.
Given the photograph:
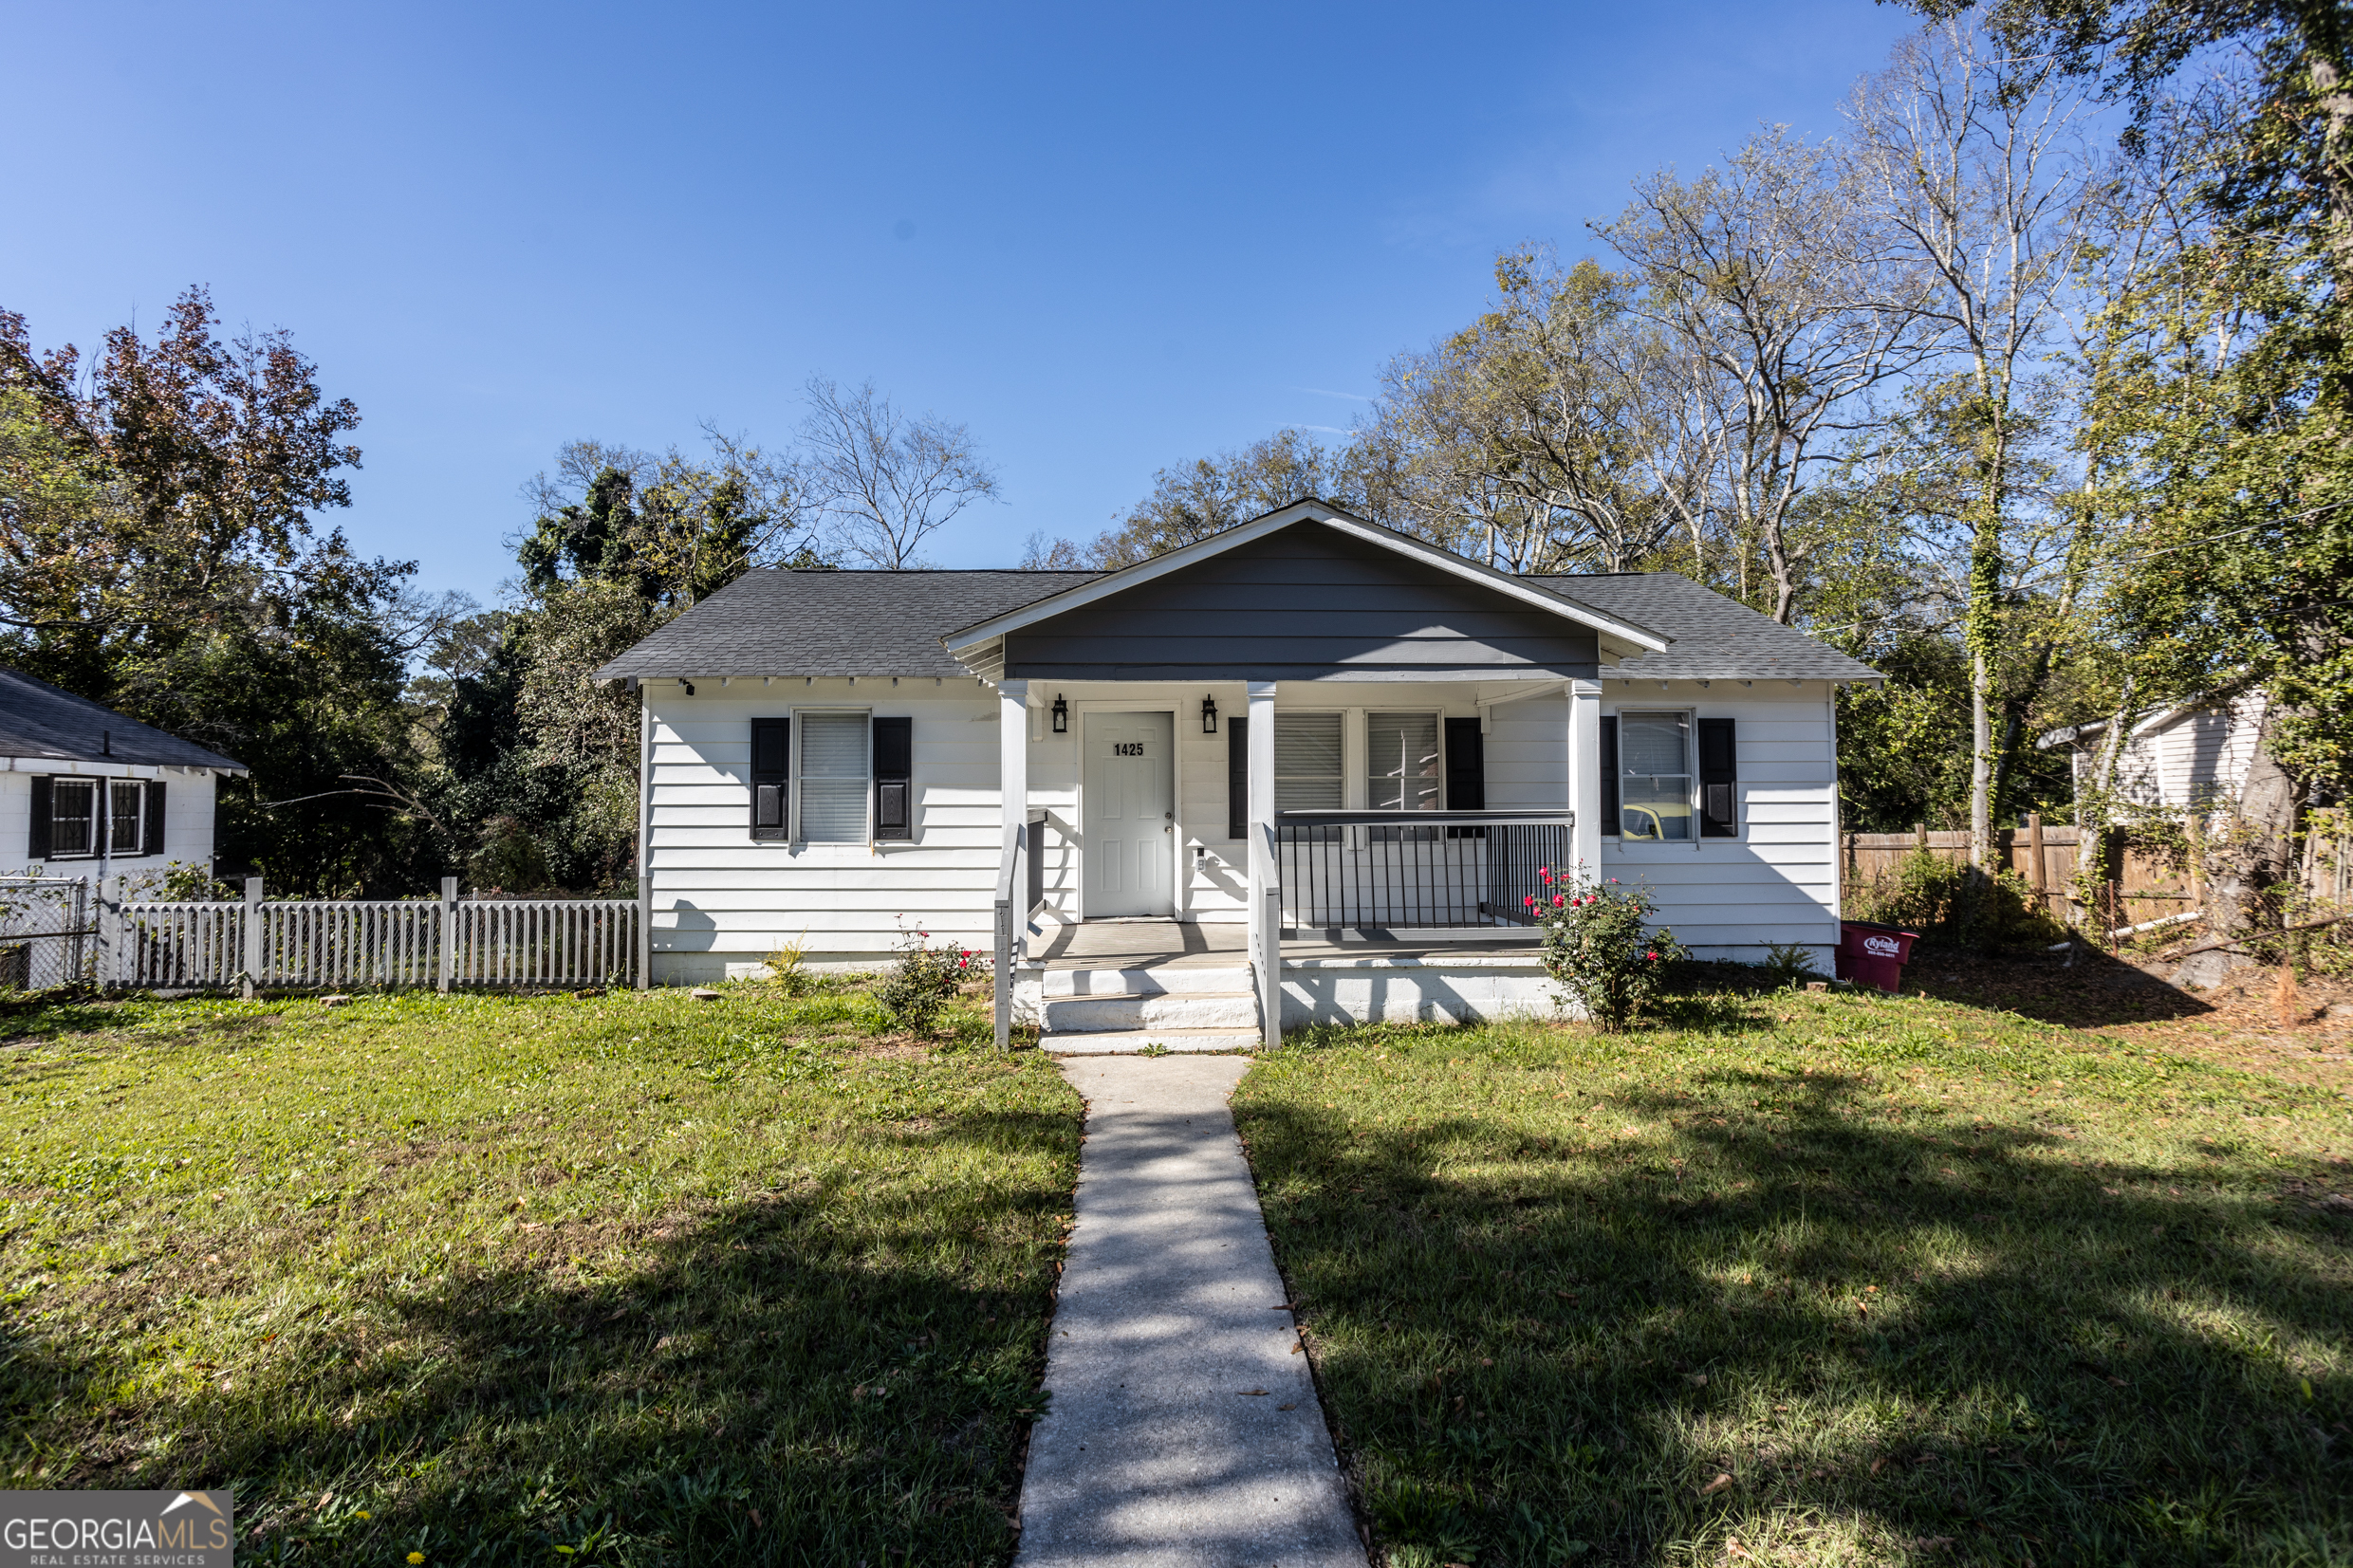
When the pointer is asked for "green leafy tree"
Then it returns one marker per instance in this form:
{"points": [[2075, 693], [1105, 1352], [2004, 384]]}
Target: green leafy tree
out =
{"points": [[161, 557]]}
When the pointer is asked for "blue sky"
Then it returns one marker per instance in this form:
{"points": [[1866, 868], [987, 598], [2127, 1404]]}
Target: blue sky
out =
{"points": [[1106, 238]]}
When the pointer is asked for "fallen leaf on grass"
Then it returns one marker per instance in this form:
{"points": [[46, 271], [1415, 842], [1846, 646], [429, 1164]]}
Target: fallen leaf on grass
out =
{"points": [[1296, 1349], [1878, 1463], [1723, 1480], [1696, 1379]]}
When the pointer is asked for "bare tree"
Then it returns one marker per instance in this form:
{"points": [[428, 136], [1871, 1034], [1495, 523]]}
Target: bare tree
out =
{"points": [[1795, 302], [885, 480], [1968, 156]]}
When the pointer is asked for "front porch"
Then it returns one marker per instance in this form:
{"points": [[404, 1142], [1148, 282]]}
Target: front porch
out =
{"points": [[1119, 986]]}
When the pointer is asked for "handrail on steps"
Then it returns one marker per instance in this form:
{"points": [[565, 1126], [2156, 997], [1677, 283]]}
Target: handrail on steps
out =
{"points": [[1017, 867]]}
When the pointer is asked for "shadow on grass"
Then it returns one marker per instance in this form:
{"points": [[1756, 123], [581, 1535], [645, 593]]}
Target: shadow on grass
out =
{"points": [[1895, 1344], [819, 1375], [2094, 991]]}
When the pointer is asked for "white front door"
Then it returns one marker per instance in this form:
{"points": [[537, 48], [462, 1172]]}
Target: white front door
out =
{"points": [[1131, 813]]}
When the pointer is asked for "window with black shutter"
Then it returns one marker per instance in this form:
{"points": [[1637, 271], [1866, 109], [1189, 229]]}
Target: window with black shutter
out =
{"points": [[1237, 778], [153, 842], [1720, 778], [893, 770], [38, 848], [1466, 773], [1609, 777], [771, 780]]}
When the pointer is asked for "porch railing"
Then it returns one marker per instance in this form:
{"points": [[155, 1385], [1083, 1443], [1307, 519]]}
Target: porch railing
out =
{"points": [[1388, 872]]}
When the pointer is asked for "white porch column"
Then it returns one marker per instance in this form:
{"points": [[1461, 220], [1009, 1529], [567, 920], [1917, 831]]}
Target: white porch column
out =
{"points": [[1266, 907], [1584, 776], [1014, 813]]}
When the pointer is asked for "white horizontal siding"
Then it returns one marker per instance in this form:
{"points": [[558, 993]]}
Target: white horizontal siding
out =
{"points": [[1778, 882], [718, 897]]}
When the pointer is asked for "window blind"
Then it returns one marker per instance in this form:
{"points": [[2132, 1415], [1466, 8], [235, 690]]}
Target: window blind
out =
{"points": [[1401, 761], [1307, 762], [833, 778]]}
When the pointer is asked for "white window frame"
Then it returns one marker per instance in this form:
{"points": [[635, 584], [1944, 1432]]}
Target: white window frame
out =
{"points": [[103, 818], [800, 774], [1689, 775], [97, 786]]}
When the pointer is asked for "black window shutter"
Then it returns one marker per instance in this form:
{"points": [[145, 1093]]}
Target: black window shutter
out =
{"points": [[894, 768], [38, 848], [1609, 777], [1237, 778], [1719, 806], [151, 834], [771, 780], [1466, 766]]}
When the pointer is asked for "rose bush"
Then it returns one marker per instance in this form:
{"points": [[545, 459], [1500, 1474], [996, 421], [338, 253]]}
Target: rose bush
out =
{"points": [[921, 980], [1599, 946]]}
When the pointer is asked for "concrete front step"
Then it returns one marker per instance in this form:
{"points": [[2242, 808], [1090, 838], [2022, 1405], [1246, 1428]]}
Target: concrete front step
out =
{"points": [[1126, 1042], [1173, 1010], [1164, 980]]}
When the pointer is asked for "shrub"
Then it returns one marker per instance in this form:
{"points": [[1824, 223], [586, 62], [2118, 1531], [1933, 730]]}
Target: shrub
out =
{"points": [[787, 970], [919, 984], [1953, 905], [1790, 964], [1597, 944]]}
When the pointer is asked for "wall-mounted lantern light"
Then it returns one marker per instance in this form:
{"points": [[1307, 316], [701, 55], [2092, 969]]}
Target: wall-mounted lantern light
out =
{"points": [[1209, 715], [1062, 716], [689, 687]]}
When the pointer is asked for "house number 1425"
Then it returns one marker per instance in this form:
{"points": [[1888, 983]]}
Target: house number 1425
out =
{"points": [[1128, 749]]}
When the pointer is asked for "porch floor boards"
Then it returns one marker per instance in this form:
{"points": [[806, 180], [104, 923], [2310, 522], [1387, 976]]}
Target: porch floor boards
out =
{"points": [[1144, 944]]}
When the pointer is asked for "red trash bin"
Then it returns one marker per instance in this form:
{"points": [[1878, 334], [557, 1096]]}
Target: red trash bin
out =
{"points": [[1871, 955]]}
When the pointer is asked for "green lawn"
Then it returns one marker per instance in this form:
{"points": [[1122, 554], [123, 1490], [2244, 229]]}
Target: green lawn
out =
{"points": [[1817, 1279], [626, 1280]]}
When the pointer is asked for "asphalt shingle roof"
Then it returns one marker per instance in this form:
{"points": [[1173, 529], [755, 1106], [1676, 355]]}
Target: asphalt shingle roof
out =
{"points": [[779, 623], [1715, 638], [47, 723]]}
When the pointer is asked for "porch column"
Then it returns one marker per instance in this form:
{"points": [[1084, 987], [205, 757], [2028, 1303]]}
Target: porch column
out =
{"points": [[1014, 811], [1266, 904], [1584, 776]]}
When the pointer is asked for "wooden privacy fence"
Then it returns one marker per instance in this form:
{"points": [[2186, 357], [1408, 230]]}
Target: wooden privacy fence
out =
{"points": [[2142, 883], [333, 945]]}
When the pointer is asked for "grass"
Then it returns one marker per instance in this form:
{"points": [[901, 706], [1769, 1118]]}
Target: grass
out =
{"points": [[1819, 1278], [624, 1280]]}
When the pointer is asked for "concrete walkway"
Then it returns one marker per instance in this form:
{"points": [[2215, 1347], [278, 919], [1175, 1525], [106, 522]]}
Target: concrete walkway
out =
{"points": [[1182, 1430]]}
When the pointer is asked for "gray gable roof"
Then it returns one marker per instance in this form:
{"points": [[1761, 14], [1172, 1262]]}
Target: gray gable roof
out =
{"points": [[1715, 638], [44, 722], [780, 622]]}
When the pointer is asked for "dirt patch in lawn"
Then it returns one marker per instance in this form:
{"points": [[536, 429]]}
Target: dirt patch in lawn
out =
{"points": [[2237, 1023]]}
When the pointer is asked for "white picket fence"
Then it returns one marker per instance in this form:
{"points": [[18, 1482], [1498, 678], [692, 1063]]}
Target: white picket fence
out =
{"points": [[340, 945]]}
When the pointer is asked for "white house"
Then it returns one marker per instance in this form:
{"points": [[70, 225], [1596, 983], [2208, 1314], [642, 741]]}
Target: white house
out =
{"points": [[85, 791], [1305, 769]]}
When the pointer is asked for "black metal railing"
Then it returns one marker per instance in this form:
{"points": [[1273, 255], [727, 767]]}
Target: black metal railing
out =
{"points": [[1384, 872]]}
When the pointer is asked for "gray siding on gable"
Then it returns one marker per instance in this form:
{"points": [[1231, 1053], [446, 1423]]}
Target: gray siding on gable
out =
{"points": [[1306, 603]]}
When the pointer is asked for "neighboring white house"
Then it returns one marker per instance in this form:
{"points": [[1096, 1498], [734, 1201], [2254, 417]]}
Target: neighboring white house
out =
{"points": [[2191, 754], [85, 791], [1308, 727]]}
